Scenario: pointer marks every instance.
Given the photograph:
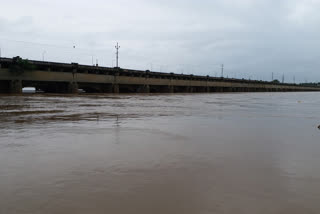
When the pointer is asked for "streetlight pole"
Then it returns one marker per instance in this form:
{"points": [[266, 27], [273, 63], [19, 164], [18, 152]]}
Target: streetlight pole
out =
{"points": [[117, 54]]}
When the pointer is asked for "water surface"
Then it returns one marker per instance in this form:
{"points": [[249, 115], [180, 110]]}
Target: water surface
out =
{"points": [[206, 153]]}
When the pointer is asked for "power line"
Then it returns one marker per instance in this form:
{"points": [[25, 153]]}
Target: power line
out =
{"points": [[36, 43], [72, 46]]}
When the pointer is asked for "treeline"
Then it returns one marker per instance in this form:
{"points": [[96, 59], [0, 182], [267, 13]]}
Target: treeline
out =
{"points": [[310, 84], [314, 84]]}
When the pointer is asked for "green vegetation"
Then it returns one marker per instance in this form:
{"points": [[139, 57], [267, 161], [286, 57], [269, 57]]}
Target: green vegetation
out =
{"points": [[313, 84], [20, 65]]}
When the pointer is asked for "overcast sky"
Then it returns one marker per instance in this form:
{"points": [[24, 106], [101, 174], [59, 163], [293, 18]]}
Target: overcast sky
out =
{"points": [[252, 38]]}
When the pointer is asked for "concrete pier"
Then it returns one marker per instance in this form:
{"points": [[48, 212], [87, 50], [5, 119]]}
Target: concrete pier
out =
{"points": [[73, 87], [115, 89], [15, 86]]}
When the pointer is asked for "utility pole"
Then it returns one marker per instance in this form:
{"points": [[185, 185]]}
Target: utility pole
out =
{"points": [[43, 53], [222, 68], [73, 53], [282, 78], [117, 54]]}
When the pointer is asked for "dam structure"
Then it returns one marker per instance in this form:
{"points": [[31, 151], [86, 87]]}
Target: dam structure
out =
{"points": [[52, 77]]}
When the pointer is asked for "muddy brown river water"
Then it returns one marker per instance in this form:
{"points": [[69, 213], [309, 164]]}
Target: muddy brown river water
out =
{"points": [[250, 153]]}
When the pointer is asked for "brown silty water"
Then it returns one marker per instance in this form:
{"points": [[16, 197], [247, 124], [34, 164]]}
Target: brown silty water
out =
{"points": [[207, 153]]}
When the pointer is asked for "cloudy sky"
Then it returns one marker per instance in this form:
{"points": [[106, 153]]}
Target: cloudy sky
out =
{"points": [[252, 38]]}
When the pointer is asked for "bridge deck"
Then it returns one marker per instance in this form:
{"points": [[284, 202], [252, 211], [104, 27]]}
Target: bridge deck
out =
{"points": [[70, 77]]}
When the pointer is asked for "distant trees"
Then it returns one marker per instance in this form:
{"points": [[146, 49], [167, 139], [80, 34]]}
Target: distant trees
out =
{"points": [[314, 84], [19, 65], [275, 81]]}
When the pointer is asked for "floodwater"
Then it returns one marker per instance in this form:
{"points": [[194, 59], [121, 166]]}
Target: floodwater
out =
{"points": [[244, 153]]}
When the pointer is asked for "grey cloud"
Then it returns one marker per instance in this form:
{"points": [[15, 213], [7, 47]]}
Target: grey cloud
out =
{"points": [[251, 37]]}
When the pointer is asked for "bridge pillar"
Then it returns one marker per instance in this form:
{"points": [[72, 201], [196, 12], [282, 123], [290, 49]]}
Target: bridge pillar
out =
{"points": [[189, 89], [107, 88], [15, 86], [144, 89], [115, 89], [167, 89], [147, 89], [73, 87], [171, 89], [4, 86]]}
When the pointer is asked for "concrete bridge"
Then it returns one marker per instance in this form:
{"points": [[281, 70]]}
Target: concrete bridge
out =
{"points": [[16, 73]]}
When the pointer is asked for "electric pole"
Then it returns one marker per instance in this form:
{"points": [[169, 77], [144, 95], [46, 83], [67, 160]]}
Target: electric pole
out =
{"points": [[282, 78], [222, 67], [43, 53], [117, 54]]}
